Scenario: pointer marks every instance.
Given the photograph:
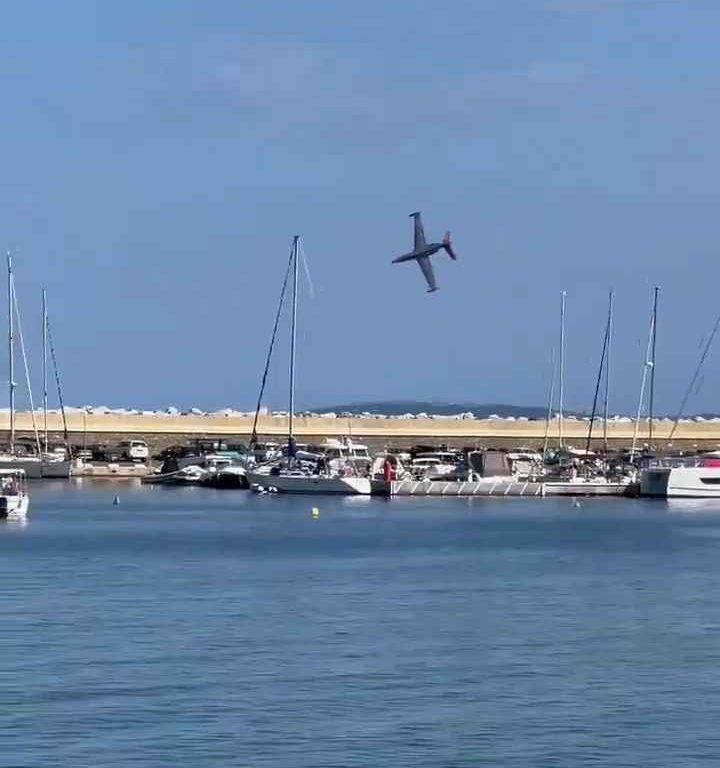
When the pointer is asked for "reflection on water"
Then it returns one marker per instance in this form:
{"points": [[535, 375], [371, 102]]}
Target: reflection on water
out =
{"points": [[11, 523], [685, 506]]}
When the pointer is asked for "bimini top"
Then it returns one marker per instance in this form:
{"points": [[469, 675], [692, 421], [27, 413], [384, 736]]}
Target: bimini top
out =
{"points": [[11, 472]]}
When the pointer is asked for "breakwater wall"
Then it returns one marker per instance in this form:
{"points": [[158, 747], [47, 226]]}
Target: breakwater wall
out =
{"points": [[163, 430]]}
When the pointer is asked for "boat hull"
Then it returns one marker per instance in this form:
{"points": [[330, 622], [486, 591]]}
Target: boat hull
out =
{"points": [[56, 469], [311, 484], [14, 507], [234, 477], [589, 488], [681, 482], [31, 465]]}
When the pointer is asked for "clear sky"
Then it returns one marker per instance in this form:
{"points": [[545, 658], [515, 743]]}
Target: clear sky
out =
{"points": [[157, 158]]}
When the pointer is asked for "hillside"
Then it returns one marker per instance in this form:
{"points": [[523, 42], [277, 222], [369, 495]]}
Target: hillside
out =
{"points": [[399, 407]]}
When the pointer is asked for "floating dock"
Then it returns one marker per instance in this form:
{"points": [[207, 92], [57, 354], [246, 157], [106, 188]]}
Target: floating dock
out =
{"points": [[499, 487], [118, 470]]}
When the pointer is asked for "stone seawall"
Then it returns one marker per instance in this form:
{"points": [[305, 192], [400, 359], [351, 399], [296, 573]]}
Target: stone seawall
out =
{"points": [[161, 431]]}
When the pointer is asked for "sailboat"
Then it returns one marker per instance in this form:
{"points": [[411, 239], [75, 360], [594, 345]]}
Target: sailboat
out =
{"points": [[10, 459], [694, 477], [54, 465], [291, 474], [591, 480]]}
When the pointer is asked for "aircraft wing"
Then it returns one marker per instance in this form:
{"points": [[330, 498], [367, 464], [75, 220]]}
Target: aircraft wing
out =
{"points": [[419, 232], [427, 270]]}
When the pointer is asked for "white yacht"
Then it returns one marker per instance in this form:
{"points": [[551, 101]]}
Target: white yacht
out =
{"points": [[341, 453], [435, 465], [298, 481], [693, 477], [14, 499]]}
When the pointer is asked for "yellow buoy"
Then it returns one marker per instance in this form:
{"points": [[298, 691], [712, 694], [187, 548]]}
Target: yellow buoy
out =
{"points": [[315, 512]]}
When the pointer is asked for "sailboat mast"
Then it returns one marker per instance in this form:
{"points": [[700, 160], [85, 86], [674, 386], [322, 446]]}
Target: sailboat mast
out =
{"points": [[293, 336], [606, 338], [562, 369], [607, 371], [641, 398], [652, 368], [11, 354], [551, 398], [44, 368]]}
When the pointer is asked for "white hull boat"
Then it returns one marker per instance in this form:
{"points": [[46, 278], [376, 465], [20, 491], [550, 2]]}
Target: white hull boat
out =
{"points": [[53, 468], [597, 486], [31, 465], [297, 482], [14, 499], [681, 482]]}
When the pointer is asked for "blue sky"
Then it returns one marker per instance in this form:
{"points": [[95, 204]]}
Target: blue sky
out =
{"points": [[158, 157]]}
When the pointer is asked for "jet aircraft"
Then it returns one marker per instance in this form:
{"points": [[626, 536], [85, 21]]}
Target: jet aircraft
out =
{"points": [[423, 251]]}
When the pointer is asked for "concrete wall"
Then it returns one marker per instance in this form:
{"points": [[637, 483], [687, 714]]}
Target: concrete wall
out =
{"points": [[162, 430]]}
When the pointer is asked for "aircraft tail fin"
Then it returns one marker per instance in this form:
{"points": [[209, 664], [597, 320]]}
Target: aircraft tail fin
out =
{"points": [[447, 245]]}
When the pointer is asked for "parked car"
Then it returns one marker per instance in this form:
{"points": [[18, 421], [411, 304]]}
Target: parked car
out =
{"points": [[134, 450]]}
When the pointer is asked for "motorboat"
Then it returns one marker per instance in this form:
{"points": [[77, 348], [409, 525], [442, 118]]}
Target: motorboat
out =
{"points": [[525, 464], [435, 465], [340, 454], [682, 477], [190, 475], [14, 498], [228, 476]]}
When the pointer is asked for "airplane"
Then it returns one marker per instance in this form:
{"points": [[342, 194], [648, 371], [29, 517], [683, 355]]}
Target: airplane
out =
{"points": [[423, 251]]}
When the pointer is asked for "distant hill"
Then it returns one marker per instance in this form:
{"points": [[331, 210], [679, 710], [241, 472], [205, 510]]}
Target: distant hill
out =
{"points": [[399, 407]]}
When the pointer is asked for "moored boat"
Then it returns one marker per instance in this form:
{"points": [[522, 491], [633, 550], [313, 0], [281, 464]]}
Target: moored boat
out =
{"points": [[297, 481], [697, 478], [14, 498]]}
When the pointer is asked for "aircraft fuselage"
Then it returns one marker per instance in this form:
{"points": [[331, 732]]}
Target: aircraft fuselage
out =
{"points": [[428, 250]]}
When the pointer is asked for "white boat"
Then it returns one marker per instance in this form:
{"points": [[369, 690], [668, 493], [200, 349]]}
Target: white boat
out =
{"points": [[189, 475], [682, 478], [335, 470], [14, 499], [31, 465], [296, 481], [592, 486], [435, 465]]}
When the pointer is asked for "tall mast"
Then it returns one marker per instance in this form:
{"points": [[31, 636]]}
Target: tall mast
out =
{"points": [[293, 336], [11, 354], [607, 371], [562, 369], [652, 367], [646, 366], [44, 367], [606, 338], [551, 398]]}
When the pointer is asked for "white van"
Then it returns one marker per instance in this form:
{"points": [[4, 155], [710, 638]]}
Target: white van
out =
{"points": [[134, 450]]}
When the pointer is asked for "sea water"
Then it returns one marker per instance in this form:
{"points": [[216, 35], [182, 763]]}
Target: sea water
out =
{"points": [[192, 627]]}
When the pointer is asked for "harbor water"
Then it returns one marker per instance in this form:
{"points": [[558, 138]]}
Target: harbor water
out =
{"points": [[191, 627]]}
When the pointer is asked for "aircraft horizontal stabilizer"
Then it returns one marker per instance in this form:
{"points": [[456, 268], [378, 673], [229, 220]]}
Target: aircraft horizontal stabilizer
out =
{"points": [[448, 247]]}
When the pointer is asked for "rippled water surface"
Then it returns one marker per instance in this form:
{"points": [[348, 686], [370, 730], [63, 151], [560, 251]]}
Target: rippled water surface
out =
{"points": [[187, 627]]}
